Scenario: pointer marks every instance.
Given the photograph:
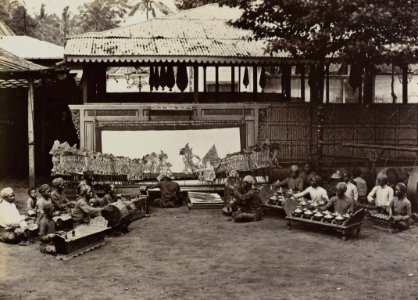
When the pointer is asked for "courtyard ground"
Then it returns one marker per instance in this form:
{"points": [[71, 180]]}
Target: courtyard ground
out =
{"points": [[177, 254]]}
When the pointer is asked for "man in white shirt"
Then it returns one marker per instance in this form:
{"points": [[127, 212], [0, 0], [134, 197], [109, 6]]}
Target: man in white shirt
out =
{"points": [[318, 194], [351, 192], [12, 223], [381, 194]]}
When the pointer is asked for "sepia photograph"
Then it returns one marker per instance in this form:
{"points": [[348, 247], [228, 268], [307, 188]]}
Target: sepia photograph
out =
{"points": [[209, 149]]}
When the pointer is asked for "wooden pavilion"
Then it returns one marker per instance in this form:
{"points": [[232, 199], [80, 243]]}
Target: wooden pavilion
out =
{"points": [[185, 46]]}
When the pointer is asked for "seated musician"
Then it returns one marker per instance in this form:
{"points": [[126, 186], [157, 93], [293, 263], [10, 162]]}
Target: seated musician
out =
{"points": [[400, 208], [351, 192], [294, 182], [44, 198], [83, 211], [170, 191], [31, 202], [110, 196], [382, 194], [306, 174], [47, 230], [233, 181], [59, 199], [361, 185], [317, 194], [88, 177], [12, 223], [340, 203], [247, 204]]}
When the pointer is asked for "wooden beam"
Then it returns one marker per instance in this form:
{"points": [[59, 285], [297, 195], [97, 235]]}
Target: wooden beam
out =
{"points": [[255, 83], [217, 79], [31, 136], [302, 83], [405, 84], [196, 83]]}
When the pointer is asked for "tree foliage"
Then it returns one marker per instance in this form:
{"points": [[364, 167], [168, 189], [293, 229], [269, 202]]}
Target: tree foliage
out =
{"points": [[353, 29], [101, 15], [149, 6]]}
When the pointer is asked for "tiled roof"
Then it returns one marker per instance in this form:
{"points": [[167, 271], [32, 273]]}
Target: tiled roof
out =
{"points": [[196, 33], [30, 48], [13, 63]]}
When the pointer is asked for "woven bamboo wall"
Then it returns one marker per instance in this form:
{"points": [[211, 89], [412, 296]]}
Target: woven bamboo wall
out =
{"points": [[296, 128], [289, 126], [382, 124]]}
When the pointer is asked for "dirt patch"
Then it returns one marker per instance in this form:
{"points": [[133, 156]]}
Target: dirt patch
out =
{"points": [[177, 254]]}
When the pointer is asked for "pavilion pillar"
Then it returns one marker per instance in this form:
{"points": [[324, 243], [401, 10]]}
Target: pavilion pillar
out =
{"points": [[217, 79], [31, 136], [405, 84], [302, 83], [327, 83], [204, 79], [196, 83], [232, 79], [255, 83]]}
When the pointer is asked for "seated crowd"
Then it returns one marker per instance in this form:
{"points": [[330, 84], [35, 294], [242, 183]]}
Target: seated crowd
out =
{"points": [[242, 201]]}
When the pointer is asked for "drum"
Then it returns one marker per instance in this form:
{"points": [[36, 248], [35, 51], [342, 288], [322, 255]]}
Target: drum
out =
{"points": [[120, 212], [412, 188]]}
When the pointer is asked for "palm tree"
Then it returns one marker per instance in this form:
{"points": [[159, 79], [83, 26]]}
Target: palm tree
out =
{"points": [[150, 6]]}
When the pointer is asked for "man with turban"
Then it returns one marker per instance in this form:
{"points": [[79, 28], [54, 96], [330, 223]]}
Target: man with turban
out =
{"points": [[83, 211], [247, 204], [400, 208], [170, 192], [381, 194], [340, 203], [59, 199], [12, 223], [294, 182]]}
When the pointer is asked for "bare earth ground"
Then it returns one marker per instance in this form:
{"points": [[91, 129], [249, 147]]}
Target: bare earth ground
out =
{"points": [[177, 254]]}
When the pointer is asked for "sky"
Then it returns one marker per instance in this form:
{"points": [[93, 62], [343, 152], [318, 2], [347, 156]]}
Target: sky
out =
{"points": [[136, 144]]}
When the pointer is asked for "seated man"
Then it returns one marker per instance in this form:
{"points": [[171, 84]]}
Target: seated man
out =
{"points": [[361, 185], [110, 196], [317, 194], [351, 192], [31, 202], [44, 198], [233, 181], [83, 212], [12, 223], [170, 192], [88, 177], [340, 203], [47, 230], [382, 194], [400, 208], [247, 205], [59, 199], [306, 175], [294, 182]]}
